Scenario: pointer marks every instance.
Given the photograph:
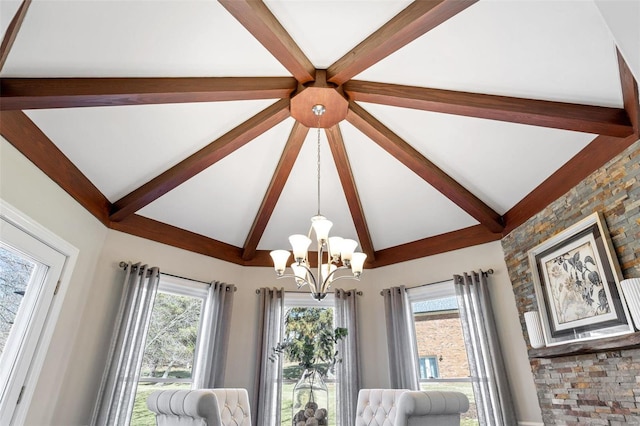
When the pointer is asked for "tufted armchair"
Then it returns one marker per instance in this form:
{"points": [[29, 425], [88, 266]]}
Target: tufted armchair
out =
{"points": [[417, 408], [211, 407], [377, 407]]}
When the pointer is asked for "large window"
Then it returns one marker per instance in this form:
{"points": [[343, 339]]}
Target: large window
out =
{"points": [[442, 353], [304, 314], [35, 268], [170, 347]]}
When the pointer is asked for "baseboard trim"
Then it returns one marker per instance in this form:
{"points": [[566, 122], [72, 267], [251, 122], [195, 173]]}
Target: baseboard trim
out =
{"points": [[530, 424]]}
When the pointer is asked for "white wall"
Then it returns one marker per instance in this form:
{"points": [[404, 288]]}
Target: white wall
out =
{"points": [[65, 390], [74, 366]]}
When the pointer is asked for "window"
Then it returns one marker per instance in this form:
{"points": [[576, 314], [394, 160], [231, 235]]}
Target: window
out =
{"points": [[170, 347], [301, 309], [442, 353], [35, 266]]}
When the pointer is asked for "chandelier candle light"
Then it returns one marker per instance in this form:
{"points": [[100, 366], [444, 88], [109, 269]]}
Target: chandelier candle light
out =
{"points": [[340, 251]]}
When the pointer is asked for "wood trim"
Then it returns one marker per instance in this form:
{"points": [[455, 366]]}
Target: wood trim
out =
{"points": [[37, 93], [278, 180], [580, 118], [415, 20], [442, 243], [160, 232], [595, 155], [256, 17], [341, 159], [12, 32], [27, 138], [204, 158], [424, 168], [629, 94]]}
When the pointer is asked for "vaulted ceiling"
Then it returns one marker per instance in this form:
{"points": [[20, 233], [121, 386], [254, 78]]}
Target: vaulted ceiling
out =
{"points": [[448, 123]]}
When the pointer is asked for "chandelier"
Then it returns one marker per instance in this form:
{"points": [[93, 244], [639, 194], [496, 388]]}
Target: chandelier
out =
{"points": [[340, 252]]}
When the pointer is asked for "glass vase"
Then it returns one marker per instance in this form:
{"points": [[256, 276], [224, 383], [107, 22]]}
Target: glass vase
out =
{"points": [[310, 400]]}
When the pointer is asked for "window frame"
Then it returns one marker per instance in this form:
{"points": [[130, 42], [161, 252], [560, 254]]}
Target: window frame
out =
{"points": [[437, 290], [50, 311], [170, 284]]}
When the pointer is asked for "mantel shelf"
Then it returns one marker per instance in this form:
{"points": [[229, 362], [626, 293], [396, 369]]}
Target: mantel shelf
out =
{"points": [[626, 341]]}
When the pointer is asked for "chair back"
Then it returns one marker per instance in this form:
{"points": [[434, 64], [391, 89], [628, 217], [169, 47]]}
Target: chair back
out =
{"points": [[377, 407], [198, 407]]}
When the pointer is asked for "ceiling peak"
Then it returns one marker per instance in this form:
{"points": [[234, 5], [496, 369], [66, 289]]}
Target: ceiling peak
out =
{"points": [[319, 92]]}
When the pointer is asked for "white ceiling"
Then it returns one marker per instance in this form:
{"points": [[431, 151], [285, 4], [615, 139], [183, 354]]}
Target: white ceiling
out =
{"points": [[549, 50]]}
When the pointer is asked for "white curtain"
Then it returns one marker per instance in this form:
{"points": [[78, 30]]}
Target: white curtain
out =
{"points": [[118, 387], [401, 339], [266, 399], [486, 365], [211, 353], [348, 370]]}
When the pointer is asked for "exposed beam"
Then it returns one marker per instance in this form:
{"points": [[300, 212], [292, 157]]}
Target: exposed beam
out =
{"points": [[153, 230], [424, 168], [590, 158], [278, 180], [201, 160], [580, 118], [12, 32], [629, 94], [37, 93], [339, 152], [415, 20], [27, 138], [450, 241], [256, 17]]}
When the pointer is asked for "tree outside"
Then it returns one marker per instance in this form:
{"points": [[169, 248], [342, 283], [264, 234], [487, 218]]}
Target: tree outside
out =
{"points": [[15, 274]]}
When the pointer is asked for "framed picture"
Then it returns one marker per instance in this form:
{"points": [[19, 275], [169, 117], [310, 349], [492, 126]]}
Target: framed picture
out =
{"points": [[576, 278]]}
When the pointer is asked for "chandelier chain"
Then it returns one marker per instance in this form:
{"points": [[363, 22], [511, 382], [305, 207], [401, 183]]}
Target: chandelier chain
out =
{"points": [[318, 171]]}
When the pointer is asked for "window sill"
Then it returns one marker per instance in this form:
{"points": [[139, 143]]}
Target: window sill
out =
{"points": [[626, 341]]}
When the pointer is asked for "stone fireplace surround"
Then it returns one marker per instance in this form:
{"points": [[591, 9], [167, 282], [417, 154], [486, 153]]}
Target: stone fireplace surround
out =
{"points": [[602, 386]]}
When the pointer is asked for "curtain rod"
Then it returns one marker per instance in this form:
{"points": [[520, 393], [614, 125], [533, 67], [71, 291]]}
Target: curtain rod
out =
{"points": [[124, 265], [485, 273]]}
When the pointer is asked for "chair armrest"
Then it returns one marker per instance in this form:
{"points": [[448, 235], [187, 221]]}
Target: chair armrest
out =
{"points": [[432, 403], [198, 403]]}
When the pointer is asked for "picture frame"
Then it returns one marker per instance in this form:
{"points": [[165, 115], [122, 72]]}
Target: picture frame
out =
{"points": [[577, 284]]}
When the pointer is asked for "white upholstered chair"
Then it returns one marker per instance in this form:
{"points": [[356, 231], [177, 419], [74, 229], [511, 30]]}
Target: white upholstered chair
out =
{"points": [[377, 407], [417, 408], [400, 407], [211, 407]]}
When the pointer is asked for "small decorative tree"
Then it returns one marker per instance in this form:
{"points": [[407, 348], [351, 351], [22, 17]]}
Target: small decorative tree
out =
{"points": [[311, 343]]}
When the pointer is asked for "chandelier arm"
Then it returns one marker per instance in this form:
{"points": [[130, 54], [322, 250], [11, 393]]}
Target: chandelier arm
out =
{"points": [[314, 284], [296, 278]]}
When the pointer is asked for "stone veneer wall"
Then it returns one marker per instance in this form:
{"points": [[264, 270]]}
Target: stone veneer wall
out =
{"points": [[600, 388]]}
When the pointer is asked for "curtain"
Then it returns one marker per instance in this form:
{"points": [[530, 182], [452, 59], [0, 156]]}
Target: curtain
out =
{"points": [[211, 353], [266, 399], [348, 370], [401, 339], [486, 365], [118, 388]]}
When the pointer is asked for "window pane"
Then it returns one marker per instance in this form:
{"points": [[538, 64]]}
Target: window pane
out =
{"points": [[169, 350], [300, 322], [442, 353], [15, 274]]}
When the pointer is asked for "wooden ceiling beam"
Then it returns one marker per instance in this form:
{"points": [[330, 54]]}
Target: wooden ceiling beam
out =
{"points": [[415, 20], [580, 118], [38, 93], [442, 243], [204, 158], [424, 168], [278, 180], [589, 159], [341, 159], [256, 17], [27, 138], [12, 32], [630, 95]]}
